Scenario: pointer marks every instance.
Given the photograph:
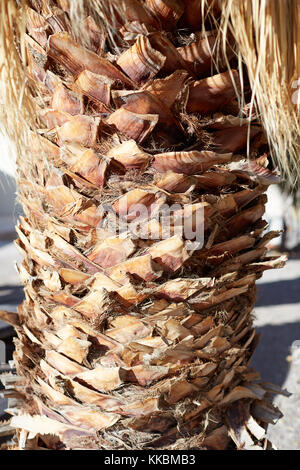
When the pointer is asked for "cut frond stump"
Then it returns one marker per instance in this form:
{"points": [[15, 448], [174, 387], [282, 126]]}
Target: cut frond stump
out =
{"points": [[125, 340]]}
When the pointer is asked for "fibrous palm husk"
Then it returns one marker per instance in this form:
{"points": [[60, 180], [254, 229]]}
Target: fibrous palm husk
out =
{"points": [[126, 342]]}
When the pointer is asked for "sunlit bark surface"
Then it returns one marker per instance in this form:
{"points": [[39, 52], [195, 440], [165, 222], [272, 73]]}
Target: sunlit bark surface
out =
{"points": [[126, 342]]}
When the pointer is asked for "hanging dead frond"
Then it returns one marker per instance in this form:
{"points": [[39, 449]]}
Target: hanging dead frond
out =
{"points": [[18, 110], [267, 35]]}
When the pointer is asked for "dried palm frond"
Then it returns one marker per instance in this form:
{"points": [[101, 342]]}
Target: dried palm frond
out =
{"points": [[267, 35], [18, 110], [129, 333]]}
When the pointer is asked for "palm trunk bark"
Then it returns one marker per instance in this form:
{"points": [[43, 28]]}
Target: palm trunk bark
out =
{"points": [[126, 342]]}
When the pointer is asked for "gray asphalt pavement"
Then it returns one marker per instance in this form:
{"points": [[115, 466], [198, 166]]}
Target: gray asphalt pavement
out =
{"points": [[277, 319]]}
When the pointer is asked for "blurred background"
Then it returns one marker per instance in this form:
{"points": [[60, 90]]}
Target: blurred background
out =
{"points": [[277, 311]]}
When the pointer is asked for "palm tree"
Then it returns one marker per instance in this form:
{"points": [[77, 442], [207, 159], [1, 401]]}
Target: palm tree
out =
{"points": [[129, 338]]}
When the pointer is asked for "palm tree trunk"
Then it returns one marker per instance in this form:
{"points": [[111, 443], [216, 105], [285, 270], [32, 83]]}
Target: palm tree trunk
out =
{"points": [[127, 341]]}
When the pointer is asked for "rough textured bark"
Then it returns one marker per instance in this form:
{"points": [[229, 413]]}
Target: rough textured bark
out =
{"points": [[123, 342]]}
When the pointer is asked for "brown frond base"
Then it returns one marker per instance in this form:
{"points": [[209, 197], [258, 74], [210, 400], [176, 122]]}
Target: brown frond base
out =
{"points": [[240, 425], [196, 392], [125, 340]]}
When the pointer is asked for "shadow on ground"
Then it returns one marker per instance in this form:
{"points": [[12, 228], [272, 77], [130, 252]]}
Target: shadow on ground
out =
{"points": [[276, 339], [278, 293], [275, 345], [11, 295]]}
